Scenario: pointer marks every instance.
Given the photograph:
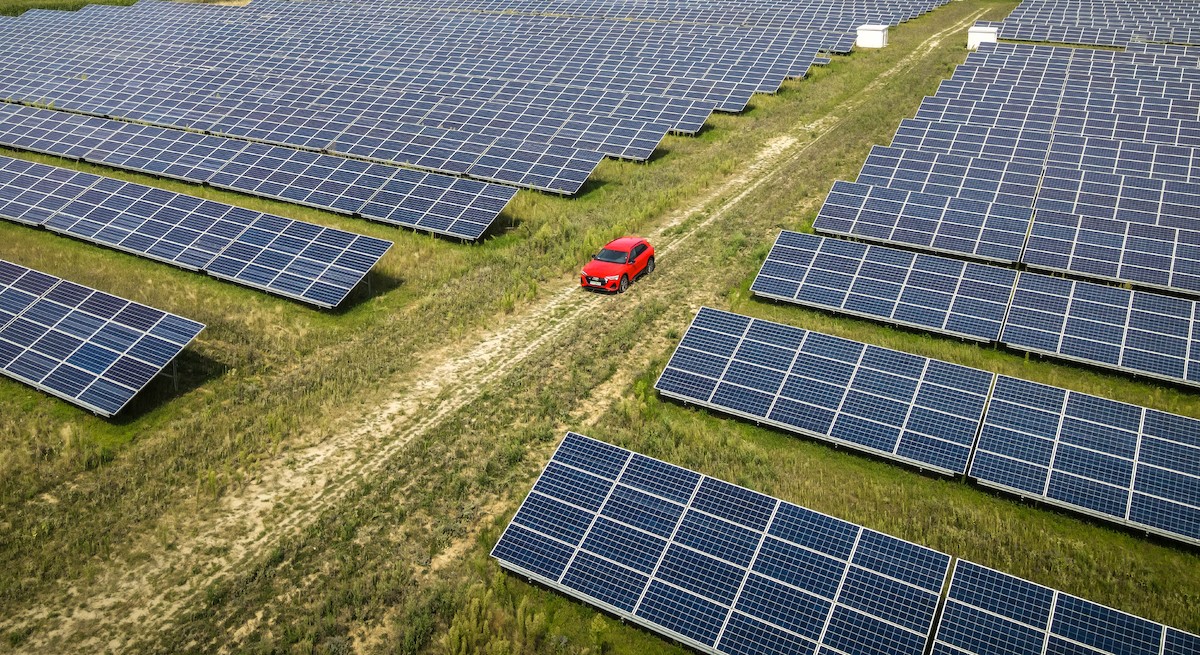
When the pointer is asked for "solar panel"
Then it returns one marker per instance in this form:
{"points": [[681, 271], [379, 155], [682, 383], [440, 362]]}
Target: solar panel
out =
{"points": [[729, 571], [247, 167], [1121, 157], [31, 193], [307, 262], [1121, 197], [1145, 255], [1133, 331], [956, 225], [986, 609], [923, 291], [1007, 144], [715, 566], [986, 180], [1122, 463], [912, 409], [87, 347], [441, 204]]}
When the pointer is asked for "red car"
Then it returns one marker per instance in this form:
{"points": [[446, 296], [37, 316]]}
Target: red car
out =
{"points": [[617, 264]]}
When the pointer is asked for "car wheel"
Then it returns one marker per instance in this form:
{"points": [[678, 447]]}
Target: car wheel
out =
{"points": [[650, 266], [623, 286]]}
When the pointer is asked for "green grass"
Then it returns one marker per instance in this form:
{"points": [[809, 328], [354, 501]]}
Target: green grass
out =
{"points": [[269, 376]]}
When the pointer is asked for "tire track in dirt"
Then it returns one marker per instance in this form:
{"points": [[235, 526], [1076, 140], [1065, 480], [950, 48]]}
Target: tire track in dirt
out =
{"points": [[132, 597]]}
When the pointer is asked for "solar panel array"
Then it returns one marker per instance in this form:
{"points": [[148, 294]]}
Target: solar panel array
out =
{"points": [[727, 570], [1129, 464], [718, 567], [1134, 331], [436, 203], [1108, 22], [491, 91], [985, 607], [924, 291], [90, 348], [912, 409], [303, 261], [1119, 462], [1063, 160]]}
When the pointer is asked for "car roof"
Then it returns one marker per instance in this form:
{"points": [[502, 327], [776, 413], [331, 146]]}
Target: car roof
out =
{"points": [[624, 243]]}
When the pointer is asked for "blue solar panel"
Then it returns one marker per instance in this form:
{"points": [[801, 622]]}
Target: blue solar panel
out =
{"points": [[427, 201], [803, 582], [987, 610], [921, 411], [718, 569], [1132, 331], [87, 347], [975, 228], [924, 291], [1121, 462], [299, 260], [994, 181], [1142, 254]]}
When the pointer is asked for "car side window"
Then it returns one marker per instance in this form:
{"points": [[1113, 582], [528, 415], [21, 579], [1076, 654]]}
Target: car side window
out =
{"points": [[636, 252]]}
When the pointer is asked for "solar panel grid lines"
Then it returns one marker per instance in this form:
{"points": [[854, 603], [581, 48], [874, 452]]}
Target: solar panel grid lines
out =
{"points": [[1122, 197], [303, 261], [1132, 331], [90, 348], [1078, 99], [441, 204], [986, 607], [166, 99], [1148, 256], [1037, 116], [1120, 157], [1065, 78], [797, 66], [1001, 143], [602, 523], [987, 180], [926, 292], [957, 225], [32, 192], [922, 412], [1118, 462], [656, 530]]}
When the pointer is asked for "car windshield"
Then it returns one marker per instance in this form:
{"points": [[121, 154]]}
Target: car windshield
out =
{"points": [[611, 256]]}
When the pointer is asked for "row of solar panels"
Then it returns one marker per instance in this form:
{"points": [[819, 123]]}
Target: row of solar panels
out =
{"points": [[313, 264], [398, 196], [1106, 22], [1134, 331], [87, 347], [839, 18], [558, 169], [1127, 464], [376, 44], [730, 571]]}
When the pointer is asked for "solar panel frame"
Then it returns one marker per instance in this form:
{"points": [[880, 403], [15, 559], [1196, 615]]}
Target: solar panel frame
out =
{"points": [[1087, 453], [925, 292], [922, 412], [572, 521], [943, 224], [90, 348], [1131, 331]]}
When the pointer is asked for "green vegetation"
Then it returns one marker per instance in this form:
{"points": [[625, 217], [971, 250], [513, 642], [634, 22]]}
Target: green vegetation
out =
{"points": [[384, 548]]}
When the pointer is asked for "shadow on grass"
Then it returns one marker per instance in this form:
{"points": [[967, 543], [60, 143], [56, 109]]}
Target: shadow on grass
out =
{"points": [[189, 371], [373, 285]]}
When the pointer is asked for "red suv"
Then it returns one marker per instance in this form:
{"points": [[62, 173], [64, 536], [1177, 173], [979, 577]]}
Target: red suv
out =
{"points": [[618, 264]]}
